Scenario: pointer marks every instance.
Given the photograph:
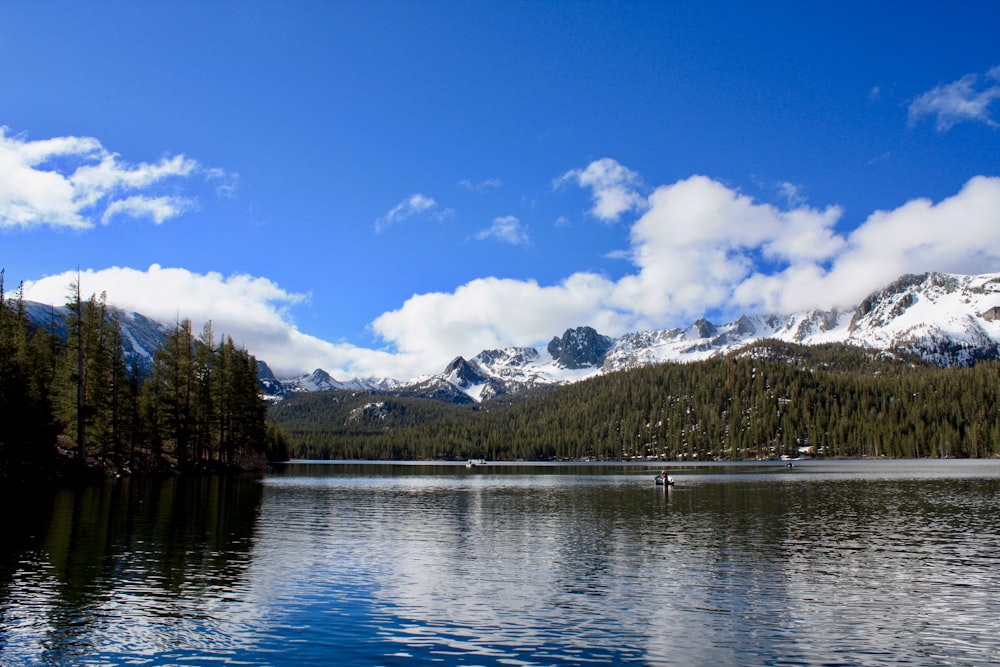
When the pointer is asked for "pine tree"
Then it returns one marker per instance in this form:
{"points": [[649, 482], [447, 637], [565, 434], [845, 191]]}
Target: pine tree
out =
{"points": [[170, 387], [27, 429], [206, 413], [76, 417]]}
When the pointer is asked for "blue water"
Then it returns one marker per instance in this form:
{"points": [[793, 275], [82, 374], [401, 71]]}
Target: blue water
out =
{"points": [[374, 564]]}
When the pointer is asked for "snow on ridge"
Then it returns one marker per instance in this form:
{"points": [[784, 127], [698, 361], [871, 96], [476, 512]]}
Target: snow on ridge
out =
{"points": [[135, 344], [320, 380], [945, 318]]}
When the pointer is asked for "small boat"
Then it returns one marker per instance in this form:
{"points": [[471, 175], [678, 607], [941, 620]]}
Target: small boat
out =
{"points": [[475, 462], [663, 479]]}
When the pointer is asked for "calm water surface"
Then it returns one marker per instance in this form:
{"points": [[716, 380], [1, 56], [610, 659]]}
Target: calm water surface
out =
{"points": [[852, 563]]}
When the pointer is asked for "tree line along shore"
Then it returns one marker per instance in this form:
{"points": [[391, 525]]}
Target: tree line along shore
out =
{"points": [[765, 401], [72, 406]]}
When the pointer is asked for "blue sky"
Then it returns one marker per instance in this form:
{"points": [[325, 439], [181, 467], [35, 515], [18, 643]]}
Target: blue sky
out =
{"points": [[375, 187]]}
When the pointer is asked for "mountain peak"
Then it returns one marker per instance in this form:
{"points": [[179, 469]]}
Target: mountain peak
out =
{"points": [[463, 373], [701, 328], [582, 347]]}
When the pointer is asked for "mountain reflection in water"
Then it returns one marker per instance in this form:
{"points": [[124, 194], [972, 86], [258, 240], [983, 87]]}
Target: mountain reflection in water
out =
{"points": [[753, 564]]}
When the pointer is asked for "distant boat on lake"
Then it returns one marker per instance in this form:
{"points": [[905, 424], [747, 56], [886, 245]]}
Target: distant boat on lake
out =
{"points": [[663, 479], [475, 462]]}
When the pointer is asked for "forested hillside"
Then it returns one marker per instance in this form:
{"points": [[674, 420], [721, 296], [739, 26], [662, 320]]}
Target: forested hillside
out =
{"points": [[763, 401], [198, 407]]}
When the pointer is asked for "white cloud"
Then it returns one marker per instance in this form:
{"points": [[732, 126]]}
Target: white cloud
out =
{"points": [[613, 188], [700, 239], [109, 174], [791, 193], [507, 229], [967, 99], [254, 311], [821, 269], [960, 234], [225, 182], [489, 313], [73, 182], [413, 205], [157, 208], [485, 186]]}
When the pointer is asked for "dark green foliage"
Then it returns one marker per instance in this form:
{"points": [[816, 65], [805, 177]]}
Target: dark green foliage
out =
{"points": [[764, 401], [202, 403], [199, 407], [93, 398], [356, 425], [27, 427]]}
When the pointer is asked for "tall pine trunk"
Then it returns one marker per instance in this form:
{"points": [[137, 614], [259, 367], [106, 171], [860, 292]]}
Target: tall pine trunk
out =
{"points": [[81, 393]]}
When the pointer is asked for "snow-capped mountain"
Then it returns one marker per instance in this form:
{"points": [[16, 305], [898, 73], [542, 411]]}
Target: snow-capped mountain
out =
{"points": [[945, 319], [320, 380]]}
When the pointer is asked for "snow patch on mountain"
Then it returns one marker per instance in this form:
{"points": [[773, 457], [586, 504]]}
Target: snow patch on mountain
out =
{"points": [[370, 412]]}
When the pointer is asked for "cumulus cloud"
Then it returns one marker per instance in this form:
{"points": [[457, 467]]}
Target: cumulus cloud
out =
{"points": [[488, 313], [968, 99], [960, 234], [254, 310], [700, 239], [614, 188], [415, 204], [74, 182], [507, 229]]}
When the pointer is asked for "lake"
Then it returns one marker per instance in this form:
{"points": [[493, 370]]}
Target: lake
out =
{"points": [[825, 563]]}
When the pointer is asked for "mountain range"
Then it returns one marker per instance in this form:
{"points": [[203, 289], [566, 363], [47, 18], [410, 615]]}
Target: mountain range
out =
{"points": [[945, 319]]}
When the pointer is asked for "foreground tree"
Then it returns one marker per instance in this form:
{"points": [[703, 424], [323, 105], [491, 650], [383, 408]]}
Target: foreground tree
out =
{"points": [[203, 401], [199, 405], [92, 395], [27, 428]]}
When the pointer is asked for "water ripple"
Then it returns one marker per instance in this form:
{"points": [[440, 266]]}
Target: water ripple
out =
{"points": [[755, 568]]}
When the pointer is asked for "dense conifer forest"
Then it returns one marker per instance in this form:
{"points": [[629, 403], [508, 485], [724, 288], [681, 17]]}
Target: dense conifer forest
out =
{"points": [[73, 398], [764, 401], [73, 404]]}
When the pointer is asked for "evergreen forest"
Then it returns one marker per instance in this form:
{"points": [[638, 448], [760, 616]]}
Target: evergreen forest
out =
{"points": [[765, 401], [72, 403]]}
